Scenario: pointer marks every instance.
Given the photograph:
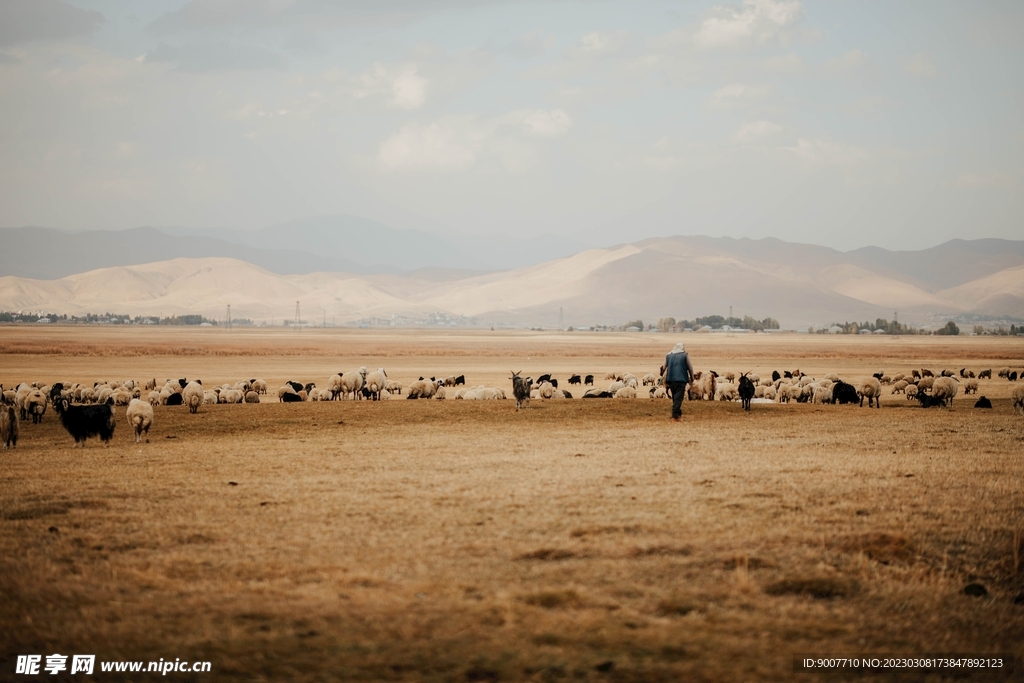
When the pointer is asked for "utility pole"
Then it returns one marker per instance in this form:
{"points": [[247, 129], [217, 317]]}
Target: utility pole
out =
{"points": [[229, 316], [561, 318], [297, 315]]}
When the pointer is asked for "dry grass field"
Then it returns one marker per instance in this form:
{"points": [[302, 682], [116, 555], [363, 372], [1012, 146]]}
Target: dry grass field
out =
{"points": [[462, 541]]}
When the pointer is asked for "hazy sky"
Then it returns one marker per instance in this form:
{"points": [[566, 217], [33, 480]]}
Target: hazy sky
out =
{"points": [[890, 123]]}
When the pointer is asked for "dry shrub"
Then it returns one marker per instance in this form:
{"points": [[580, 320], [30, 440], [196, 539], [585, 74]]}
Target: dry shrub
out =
{"points": [[675, 607], [647, 551], [548, 554], [883, 548], [818, 587], [553, 599]]}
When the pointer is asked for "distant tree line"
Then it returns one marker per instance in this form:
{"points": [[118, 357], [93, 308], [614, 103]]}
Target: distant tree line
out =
{"points": [[112, 319], [716, 322]]}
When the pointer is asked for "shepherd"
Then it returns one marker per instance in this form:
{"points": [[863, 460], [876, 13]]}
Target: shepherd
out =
{"points": [[678, 371]]}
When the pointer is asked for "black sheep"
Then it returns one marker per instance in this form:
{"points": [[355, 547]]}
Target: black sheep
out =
{"points": [[929, 401], [544, 378], [589, 381], [56, 390], [776, 376], [461, 379], [843, 393], [575, 379], [85, 421], [554, 383], [1012, 376], [297, 386], [289, 397], [175, 400], [983, 403], [746, 391], [567, 394]]}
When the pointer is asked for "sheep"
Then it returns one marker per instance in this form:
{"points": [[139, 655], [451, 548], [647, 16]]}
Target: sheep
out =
{"points": [[376, 382], [231, 396], [843, 393], [597, 393], [925, 383], [985, 374], [291, 397], [822, 394], [658, 392], [352, 382], [154, 398], [1013, 375], [871, 389], [911, 391], [192, 396], [626, 392], [589, 381], [927, 373], [546, 390], [258, 385], [174, 399], [35, 405], [81, 422], [421, 388], [649, 379], [948, 373], [1018, 398], [970, 387], [1003, 371], [983, 403], [929, 401], [211, 398], [10, 426], [945, 388], [122, 397], [440, 393], [899, 387], [575, 379], [521, 391], [253, 396], [140, 417], [770, 393]]}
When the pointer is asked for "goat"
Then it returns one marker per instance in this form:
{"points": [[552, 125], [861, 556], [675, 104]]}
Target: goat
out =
{"points": [[521, 390], [575, 379], [746, 390], [81, 422]]}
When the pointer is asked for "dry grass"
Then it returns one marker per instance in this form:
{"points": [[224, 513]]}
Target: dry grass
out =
{"points": [[455, 541]]}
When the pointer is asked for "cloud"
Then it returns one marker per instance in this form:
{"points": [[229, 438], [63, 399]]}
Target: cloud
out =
{"points": [[457, 142], [206, 14], [754, 130], [827, 153], [975, 180], [736, 95], [532, 44], [756, 22], [600, 44], [216, 56], [790, 63], [402, 85], [850, 60], [23, 21], [920, 66]]}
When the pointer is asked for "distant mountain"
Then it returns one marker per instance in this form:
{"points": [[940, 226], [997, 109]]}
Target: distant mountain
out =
{"points": [[683, 277], [46, 254]]}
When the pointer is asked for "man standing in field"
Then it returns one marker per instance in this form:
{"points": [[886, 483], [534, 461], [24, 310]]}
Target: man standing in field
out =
{"points": [[678, 372]]}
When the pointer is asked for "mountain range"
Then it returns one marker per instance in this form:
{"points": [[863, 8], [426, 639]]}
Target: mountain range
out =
{"points": [[682, 276]]}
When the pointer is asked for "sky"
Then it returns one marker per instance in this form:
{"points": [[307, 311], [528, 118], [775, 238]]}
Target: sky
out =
{"points": [[846, 124]]}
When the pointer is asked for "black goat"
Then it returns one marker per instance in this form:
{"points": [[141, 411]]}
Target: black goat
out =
{"points": [[1012, 376], [56, 389], [746, 391], [985, 374], [589, 381], [85, 421], [175, 400], [554, 383], [461, 379], [575, 379], [983, 403], [289, 397], [9, 426], [843, 393], [297, 386], [521, 390], [544, 378], [776, 376]]}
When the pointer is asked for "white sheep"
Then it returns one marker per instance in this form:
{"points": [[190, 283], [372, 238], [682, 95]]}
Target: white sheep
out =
{"points": [[352, 383], [970, 387], [192, 396], [154, 398], [393, 386], [253, 396], [421, 388], [376, 382], [945, 388], [649, 379], [626, 392], [871, 389], [34, 405], [615, 386], [910, 391], [1018, 398], [822, 394], [140, 417], [259, 386], [545, 390], [900, 386]]}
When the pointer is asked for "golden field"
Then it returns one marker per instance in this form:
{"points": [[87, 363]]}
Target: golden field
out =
{"points": [[460, 540]]}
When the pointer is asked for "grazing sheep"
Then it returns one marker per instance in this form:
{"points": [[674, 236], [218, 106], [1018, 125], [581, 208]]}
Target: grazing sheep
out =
{"points": [[575, 379], [657, 392], [393, 387], [843, 393], [927, 373], [211, 398], [985, 374], [925, 383], [983, 403], [770, 393], [649, 380], [252, 396], [290, 397], [421, 388], [521, 390], [174, 399], [35, 405], [258, 385], [911, 391], [376, 382], [154, 398], [822, 394], [597, 393], [871, 389], [929, 401], [1012, 376], [192, 396], [615, 386], [970, 387], [945, 388], [1018, 398], [440, 393], [899, 387], [626, 392], [351, 383], [546, 390], [140, 417], [9, 426], [81, 422], [588, 381]]}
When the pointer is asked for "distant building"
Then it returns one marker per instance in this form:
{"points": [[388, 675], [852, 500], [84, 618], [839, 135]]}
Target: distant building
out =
{"points": [[835, 329]]}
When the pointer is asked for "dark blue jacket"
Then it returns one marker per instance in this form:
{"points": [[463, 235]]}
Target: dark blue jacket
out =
{"points": [[678, 367]]}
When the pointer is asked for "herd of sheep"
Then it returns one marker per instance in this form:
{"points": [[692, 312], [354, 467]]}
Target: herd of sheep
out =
{"points": [[86, 410]]}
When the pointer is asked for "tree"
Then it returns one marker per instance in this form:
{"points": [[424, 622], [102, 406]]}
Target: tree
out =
{"points": [[950, 329]]}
